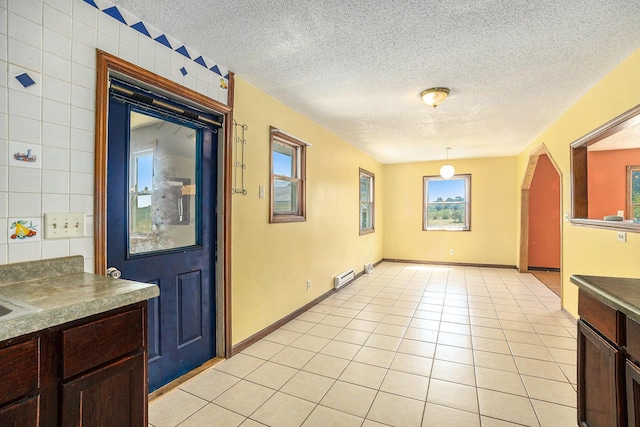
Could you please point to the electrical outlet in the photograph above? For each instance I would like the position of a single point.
(622, 236)
(64, 225)
(566, 217)
(451, 251)
(308, 284)
(621, 213)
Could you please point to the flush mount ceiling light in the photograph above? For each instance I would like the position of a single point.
(434, 96)
(447, 171)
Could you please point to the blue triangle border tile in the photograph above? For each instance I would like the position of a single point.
(200, 60)
(115, 13)
(155, 34)
(92, 3)
(183, 51)
(162, 39)
(141, 28)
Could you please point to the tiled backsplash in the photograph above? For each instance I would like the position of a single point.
(47, 128)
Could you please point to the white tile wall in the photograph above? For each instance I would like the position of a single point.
(23, 129)
(25, 180)
(55, 182)
(54, 42)
(27, 251)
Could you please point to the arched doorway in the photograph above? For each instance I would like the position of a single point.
(540, 241)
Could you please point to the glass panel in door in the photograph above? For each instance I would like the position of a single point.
(162, 185)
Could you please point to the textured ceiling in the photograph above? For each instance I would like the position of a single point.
(357, 67)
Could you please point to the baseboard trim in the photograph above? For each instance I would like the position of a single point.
(564, 310)
(547, 269)
(457, 264)
(276, 325)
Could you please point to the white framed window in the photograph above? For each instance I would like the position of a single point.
(367, 202)
(447, 203)
(288, 182)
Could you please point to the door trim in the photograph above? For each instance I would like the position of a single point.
(107, 65)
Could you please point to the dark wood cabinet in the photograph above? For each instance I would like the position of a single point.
(600, 380)
(633, 394)
(20, 381)
(119, 383)
(90, 372)
(24, 413)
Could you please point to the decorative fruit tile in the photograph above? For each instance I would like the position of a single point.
(24, 230)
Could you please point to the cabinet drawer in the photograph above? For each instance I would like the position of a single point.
(102, 340)
(19, 370)
(607, 320)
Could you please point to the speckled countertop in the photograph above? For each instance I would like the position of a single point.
(621, 293)
(64, 293)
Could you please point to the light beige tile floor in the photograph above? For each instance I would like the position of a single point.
(408, 345)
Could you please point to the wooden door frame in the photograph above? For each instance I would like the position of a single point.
(523, 264)
(108, 65)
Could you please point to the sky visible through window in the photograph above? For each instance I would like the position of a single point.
(281, 164)
(144, 178)
(446, 188)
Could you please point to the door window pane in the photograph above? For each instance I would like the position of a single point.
(141, 206)
(163, 185)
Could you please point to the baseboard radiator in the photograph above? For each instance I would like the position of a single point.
(344, 278)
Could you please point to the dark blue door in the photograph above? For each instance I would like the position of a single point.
(161, 228)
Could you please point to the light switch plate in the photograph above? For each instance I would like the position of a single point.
(64, 225)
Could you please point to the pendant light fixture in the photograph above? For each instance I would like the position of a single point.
(447, 171)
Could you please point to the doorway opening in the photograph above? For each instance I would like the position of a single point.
(540, 237)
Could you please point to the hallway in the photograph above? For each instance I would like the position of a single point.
(551, 279)
(408, 345)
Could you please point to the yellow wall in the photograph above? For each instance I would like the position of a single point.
(492, 238)
(271, 263)
(588, 250)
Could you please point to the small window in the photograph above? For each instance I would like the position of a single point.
(447, 203)
(633, 193)
(367, 217)
(287, 178)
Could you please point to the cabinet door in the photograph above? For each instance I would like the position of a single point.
(600, 381)
(21, 414)
(633, 394)
(114, 395)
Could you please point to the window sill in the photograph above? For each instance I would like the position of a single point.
(446, 229)
(276, 219)
(626, 225)
(367, 231)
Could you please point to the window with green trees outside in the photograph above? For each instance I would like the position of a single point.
(447, 203)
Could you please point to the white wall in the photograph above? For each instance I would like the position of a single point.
(54, 42)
